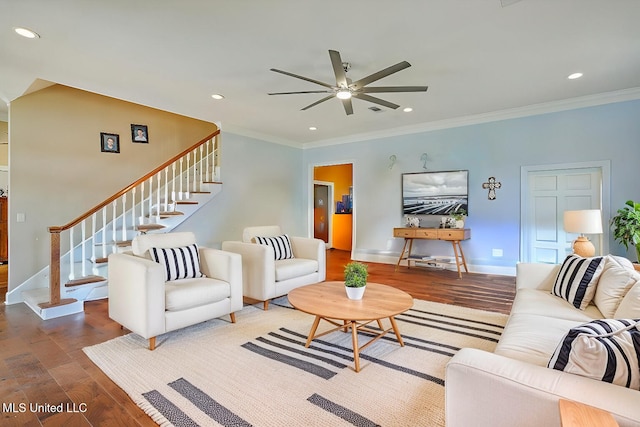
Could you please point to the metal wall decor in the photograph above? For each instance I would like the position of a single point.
(492, 185)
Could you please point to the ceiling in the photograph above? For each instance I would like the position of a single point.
(480, 58)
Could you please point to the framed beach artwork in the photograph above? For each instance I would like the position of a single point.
(435, 193)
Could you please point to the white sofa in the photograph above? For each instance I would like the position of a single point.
(141, 300)
(513, 386)
(264, 278)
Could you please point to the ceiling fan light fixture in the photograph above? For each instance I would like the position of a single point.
(574, 76)
(344, 94)
(217, 96)
(407, 109)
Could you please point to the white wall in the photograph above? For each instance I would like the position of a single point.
(262, 185)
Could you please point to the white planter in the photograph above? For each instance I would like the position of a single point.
(355, 293)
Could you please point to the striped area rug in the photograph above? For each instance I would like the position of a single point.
(257, 372)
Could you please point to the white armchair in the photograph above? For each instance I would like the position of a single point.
(264, 276)
(143, 299)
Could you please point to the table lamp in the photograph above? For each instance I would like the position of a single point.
(587, 221)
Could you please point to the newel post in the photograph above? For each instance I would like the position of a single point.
(54, 272)
(54, 267)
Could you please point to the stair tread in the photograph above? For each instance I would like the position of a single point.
(186, 202)
(150, 227)
(171, 213)
(85, 281)
(101, 260)
(212, 182)
(63, 301)
(201, 192)
(123, 244)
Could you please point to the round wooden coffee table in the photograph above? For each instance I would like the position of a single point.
(328, 301)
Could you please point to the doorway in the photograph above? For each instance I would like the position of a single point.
(322, 201)
(549, 190)
(335, 215)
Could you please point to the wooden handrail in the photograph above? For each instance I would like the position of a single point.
(58, 229)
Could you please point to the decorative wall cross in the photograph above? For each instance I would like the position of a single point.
(492, 185)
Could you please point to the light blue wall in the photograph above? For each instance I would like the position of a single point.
(262, 185)
(608, 132)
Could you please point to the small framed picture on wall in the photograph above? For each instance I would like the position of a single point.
(139, 133)
(109, 142)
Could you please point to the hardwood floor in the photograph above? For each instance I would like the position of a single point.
(42, 362)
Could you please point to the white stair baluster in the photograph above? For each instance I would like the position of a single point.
(104, 232)
(83, 245)
(207, 176)
(93, 238)
(201, 166)
(151, 199)
(173, 183)
(124, 217)
(133, 207)
(72, 259)
(114, 218)
(195, 171)
(158, 201)
(141, 220)
(186, 195)
(180, 189)
(166, 189)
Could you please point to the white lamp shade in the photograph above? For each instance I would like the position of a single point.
(587, 221)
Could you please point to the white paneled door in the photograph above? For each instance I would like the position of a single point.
(547, 193)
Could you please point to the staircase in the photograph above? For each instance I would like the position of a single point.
(155, 203)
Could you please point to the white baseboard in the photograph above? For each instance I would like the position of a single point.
(392, 258)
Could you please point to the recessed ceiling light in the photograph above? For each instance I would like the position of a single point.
(574, 76)
(217, 96)
(313, 128)
(25, 32)
(408, 110)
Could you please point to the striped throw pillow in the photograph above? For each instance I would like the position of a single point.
(606, 350)
(178, 263)
(281, 245)
(577, 279)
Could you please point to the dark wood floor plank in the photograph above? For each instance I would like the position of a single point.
(43, 362)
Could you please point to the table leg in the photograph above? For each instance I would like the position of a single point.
(312, 333)
(464, 261)
(396, 330)
(457, 257)
(404, 247)
(356, 349)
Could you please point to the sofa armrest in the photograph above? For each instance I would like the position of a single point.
(315, 249)
(225, 266)
(258, 269)
(486, 389)
(536, 275)
(137, 294)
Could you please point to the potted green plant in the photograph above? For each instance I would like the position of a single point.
(355, 279)
(459, 217)
(626, 226)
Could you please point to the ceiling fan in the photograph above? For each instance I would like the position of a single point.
(345, 89)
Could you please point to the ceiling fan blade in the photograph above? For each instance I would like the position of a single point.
(380, 74)
(348, 106)
(338, 70)
(326, 98)
(393, 89)
(376, 100)
(306, 91)
(286, 73)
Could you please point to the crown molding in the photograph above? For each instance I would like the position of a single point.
(512, 113)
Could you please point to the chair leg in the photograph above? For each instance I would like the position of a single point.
(152, 343)
(233, 317)
(266, 305)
